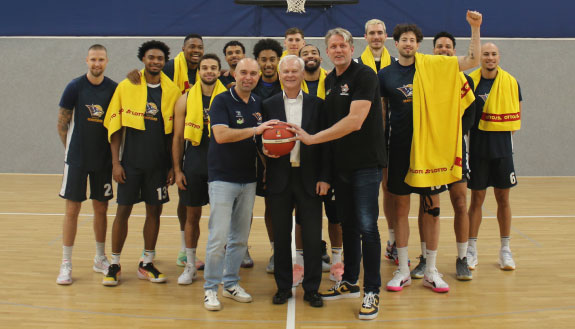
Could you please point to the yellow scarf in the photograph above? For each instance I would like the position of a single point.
(440, 96)
(128, 105)
(368, 59)
(320, 85)
(194, 125)
(501, 111)
(181, 73)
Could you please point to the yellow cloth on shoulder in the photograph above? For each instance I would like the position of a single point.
(440, 96)
(320, 85)
(194, 123)
(501, 111)
(128, 105)
(368, 59)
(181, 73)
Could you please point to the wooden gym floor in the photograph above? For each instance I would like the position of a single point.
(540, 293)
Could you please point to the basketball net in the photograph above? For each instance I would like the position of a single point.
(295, 6)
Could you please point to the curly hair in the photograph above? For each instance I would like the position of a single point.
(153, 44)
(267, 44)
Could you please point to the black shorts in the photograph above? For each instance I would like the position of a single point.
(329, 206)
(499, 173)
(196, 193)
(74, 184)
(398, 165)
(148, 185)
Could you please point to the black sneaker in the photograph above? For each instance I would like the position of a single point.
(282, 296)
(113, 276)
(369, 306)
(150, 272)
(341, 289)
(314, 298)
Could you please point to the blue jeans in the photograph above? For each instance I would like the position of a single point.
(231, 206)
(357, 199)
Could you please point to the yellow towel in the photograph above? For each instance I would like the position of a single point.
(194, 125)
(501, 111)
(128, 105)
(320, 85)
(368, 59)
(181, 73)
(440, 96)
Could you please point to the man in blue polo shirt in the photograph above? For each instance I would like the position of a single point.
(236, 120)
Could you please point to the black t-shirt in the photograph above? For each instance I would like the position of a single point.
(147, 149)
(312, 87)
(196, 157)
(488, 144)
(377, 63)
(266, 90)
(87, 143)
(228, 81)
(169, 71)
(234, 162)
(364, 148)
(396, 83)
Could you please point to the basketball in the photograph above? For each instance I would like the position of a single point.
(277, 140)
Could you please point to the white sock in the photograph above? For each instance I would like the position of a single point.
(336, 255)
(191, 256)
(100, 249)
(423, 249)
(505, 242)
(116, 259)
(67, 254)
(149, 256)
(183, 240)
(430, 264)
(472, 243)
(391, 236)
(462, 249)
(403, 256)
(299, 257)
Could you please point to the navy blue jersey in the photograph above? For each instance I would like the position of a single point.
(312, 87)
(364, 148)
(488, 144)
(266, 90)
(228, 81)
(87, 142)
(169, 71)
(233, 162)
(147, 149)
(196, 157)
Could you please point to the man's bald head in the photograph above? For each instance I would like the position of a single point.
(247, 74)
(489, 57)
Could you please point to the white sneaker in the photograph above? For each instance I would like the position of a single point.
(325, 267)
(471, 258)
(101, 264)
(399, 281)
(190, 274)
(506, 262)
(270, 268)
(433, 279)
(65, 276)
(336, 272)
(211, 302)
(238, 294)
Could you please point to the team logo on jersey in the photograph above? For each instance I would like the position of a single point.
(344, 90)
(95, 110)
(258, 117)
(239, 118)
(151, 109)
(406, 90)
(484, 97)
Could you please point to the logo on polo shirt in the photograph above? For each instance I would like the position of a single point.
(258, 117)
(239, 118)
(344, 90)
(406, 90)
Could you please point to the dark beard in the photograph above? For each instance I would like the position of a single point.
(311, 69)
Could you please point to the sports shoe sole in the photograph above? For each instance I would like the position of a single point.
(399, 288)
(226, 294)
(213, 307)
(507, 268)
(110, 283)
(439, 290)
(416, 276)
(367, 316)
(464, 277)
(143, 276)
(64, 283)
(100, 270)
(341, 296)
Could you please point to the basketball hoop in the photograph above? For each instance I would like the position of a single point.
(296, 6)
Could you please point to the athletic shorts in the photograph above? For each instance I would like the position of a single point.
(196, 193)
(499, 173)
(74, 184)
(148, 185)
(398, 165)
(329, 206)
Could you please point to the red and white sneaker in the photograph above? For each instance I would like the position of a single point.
(433, 279)
(399, 281)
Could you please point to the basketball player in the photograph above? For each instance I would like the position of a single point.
(444, 44)
(491, 149)
(144, 169)
(80, 125)
(234, 51)
(192, 124)
(293, 41)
